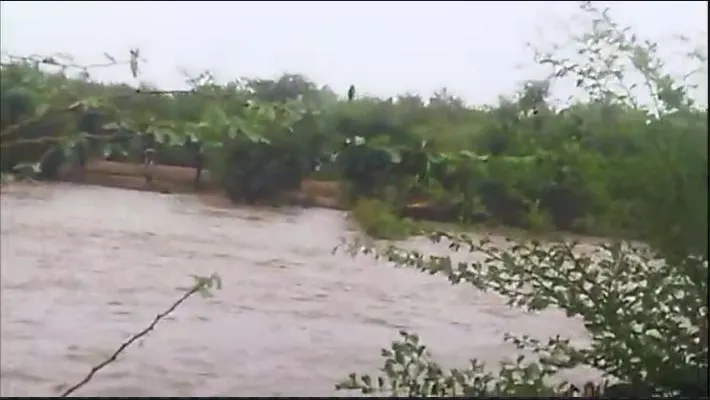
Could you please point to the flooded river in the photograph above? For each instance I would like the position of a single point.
(84, 267)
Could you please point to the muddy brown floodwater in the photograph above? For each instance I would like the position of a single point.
(84, 267)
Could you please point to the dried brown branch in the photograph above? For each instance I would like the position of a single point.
(195, 289)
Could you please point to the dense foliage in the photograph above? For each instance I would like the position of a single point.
(645, 307)
(521, 163)
(606, 164)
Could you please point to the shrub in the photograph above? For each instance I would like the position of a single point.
(645, 306)
(377, 219)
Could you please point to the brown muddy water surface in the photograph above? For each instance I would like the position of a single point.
(85, 267)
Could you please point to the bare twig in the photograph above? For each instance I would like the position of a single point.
(161, 92)
(198, 287)
(58, 62)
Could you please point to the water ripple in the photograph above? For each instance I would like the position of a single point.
(84, 267)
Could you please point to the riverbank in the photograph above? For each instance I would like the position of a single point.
(180, 180)
(376, 220)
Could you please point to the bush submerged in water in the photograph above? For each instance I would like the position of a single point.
(378, 219)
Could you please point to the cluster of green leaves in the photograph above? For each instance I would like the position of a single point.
(645, 306)
(60, 115)
(647, 319)
(377, 219)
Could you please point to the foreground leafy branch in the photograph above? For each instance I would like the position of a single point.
(410, 370)
(647, 319)
(202, 285)
(645, 306)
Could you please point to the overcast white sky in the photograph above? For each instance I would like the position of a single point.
(384, 48)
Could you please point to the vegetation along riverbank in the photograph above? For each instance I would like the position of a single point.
(611, 164)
